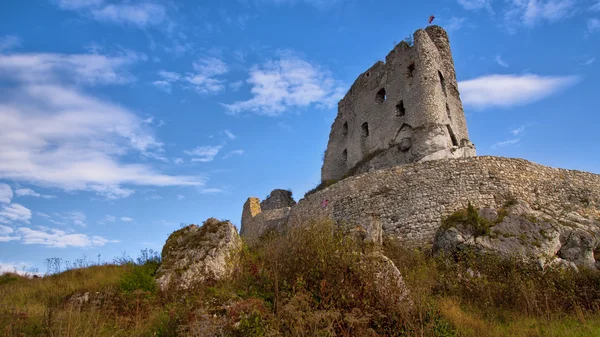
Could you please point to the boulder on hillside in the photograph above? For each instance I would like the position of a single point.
(193, 254)
(559, 239)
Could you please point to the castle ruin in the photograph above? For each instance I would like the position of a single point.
(405, 110)
(399, 159)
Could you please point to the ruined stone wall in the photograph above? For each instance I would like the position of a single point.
(270, 214)
(402, 111)
(277, 199)
(409, 201)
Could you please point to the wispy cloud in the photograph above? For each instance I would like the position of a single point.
(57, 238)
(319, 4)
(154, 197)
(211, 190)
(55, 135)
(589, 61)
(595, 7)
(90, 69)
(204, 79)
(288, 82)
(511, 90)
(501, 62)
(229, 135)
(180, 197)
(14, 213)
(9, 42)
(6, 234)
(126, 219)
(22, 192)
(506, 143)
(141, 14)
(75, 218)
(109, 218)
(529, 13)
(518, 130)
(204, 153)
(454, 23)
(6, 194)
(593, 25)
(233, 153)
(476, 4)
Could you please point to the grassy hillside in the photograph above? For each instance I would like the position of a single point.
(309, 282)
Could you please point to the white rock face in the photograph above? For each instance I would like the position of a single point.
(193, 255)
(565, 242)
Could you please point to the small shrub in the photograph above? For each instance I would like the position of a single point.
(470, 218)
(140, 277)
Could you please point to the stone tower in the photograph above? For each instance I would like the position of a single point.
(405, 110)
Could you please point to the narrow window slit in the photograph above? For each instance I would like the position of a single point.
(345, 130)
(411, 69)
(452, 136)
(365, 130)
(381, 97)
(400, 110)
(443, 83)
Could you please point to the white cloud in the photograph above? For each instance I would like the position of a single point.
(203, 79)
(59, 239)
(57, 136)
(180, 197)
(43, 215)
(235, 86)
(110, 218)
(229, 135)
(593, 25)
(6, 234)
(153, 197)
(21, 192)
(511, 90)
(76, 218)
(530, 12)
(454, 24)
(204, 153)
(211, 190)
(78, 4)
(169, 76)
(501, 62)
(126, 219)
(285, 83)
(20, 268)
(589, 61)
(233, 153)
(14, 213)
(518, 130)
(140, 14)
(178, 161)
(163, 86)
(476, 4)
(319, 4)
(6, 194)
(79, 68)
(9, 42)
(506, 143)
(595, 7)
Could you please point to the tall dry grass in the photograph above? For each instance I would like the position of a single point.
(311, 281)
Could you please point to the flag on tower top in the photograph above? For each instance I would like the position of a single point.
(431, 19)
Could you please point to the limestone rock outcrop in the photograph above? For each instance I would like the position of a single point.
(195, 254)
(566, 239)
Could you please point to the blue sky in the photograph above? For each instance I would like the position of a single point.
(121, 119)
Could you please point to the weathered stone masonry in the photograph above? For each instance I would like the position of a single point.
(410, 200)
(405, 110)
